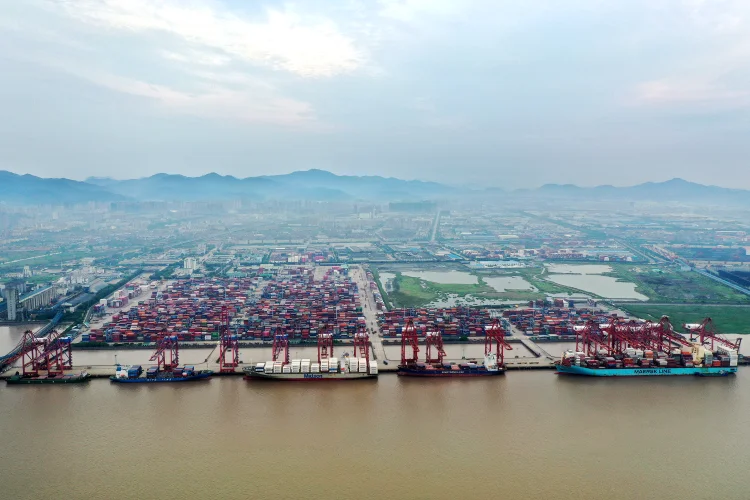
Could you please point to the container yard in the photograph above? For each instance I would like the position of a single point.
(552, 323)
(287, 298)
(453, 323)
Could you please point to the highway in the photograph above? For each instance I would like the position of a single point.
(369, 311)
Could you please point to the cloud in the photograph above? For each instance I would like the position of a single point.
(282, 39)
(409, 10)
(669, 92)
(215, 101)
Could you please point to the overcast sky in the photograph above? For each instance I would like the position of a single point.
(482, 92)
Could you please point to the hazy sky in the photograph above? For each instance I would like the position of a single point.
(497, 92)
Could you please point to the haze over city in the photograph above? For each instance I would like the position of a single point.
(462, 92)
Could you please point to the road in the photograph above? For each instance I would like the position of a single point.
(723, 281)
(369, 311)
(435, 226)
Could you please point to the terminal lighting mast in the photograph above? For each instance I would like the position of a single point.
(229, 345)
(409, 341)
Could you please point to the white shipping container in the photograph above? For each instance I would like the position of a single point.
(362, 368)
(315, 368)
(286, 369)
(353, 364)
(373, 367)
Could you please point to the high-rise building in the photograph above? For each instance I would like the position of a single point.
(11, 296)
(189, 263)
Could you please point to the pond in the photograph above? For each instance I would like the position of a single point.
(506, 283)
(604, 286)
(578, 268)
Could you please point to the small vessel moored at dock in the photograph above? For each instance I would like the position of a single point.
(167, 369)
(19, 379)
(134, 375)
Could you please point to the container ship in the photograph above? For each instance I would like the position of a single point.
(167, 369)
(134, 375)
(600, 352)
(357, 367)
(435, 367)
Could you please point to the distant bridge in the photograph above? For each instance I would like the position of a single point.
(21, 348)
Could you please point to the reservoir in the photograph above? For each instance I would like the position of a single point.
(589, 278)
(524, 435)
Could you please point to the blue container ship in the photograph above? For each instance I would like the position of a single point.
(135, 375)
(645, 372)
(697, 361)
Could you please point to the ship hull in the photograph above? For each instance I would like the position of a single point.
(646, 372)
(404, 371)
(308, 377)
(68, 379)
(203, 375)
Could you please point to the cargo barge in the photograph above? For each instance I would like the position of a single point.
(18, 379)
(134, 375)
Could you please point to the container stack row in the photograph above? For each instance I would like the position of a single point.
(304, 306)
(189, 308)
(552, 322)
(453, 322)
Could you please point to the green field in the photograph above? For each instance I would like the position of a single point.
(727, 319)
(414, 292)
(669, 285)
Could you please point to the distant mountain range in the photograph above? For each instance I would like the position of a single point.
(308, 185)
(321, 185)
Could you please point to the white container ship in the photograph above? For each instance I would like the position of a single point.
(327, 367)
(347, 368)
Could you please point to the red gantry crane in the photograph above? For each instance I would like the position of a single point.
(167, 354)
(434, 340)
(362, 346)
(409, 340)
(229, 345)
(495, 335)
(707, 335)
(281, 346)
(325, 346)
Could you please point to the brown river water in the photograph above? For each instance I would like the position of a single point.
(525, 435)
